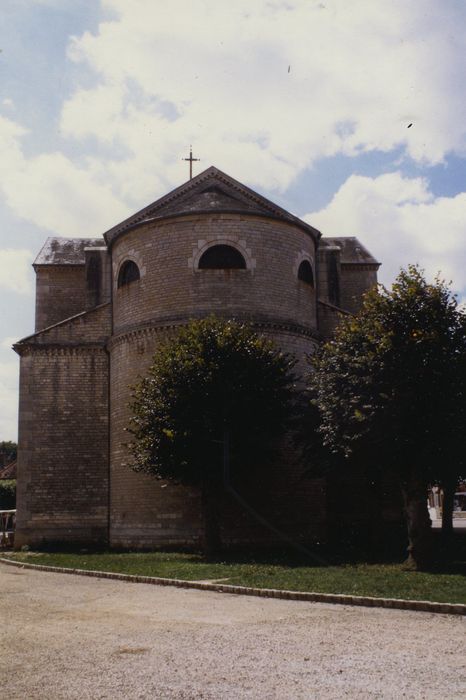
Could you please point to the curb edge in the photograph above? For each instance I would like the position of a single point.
(332, 598)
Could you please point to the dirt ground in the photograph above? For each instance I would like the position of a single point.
(65, 636)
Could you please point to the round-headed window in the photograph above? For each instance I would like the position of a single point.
(222, 257)
(129, 272)
(305, 273)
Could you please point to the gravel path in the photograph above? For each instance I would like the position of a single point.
(65, 636)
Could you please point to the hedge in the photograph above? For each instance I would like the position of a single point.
(7, 494)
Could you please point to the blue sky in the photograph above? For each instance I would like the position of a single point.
(309, 102)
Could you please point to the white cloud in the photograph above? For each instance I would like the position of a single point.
(264, 89)
(8, 102)
(401, 222)
(54, 192)
(261, 89)
(15, 268)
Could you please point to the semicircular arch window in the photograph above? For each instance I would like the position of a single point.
(305, 273)
(129, 272)
(222, 257)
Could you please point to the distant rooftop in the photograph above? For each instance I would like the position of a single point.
(352, 250)
(70, 251)
(66, 251)
(8, 471)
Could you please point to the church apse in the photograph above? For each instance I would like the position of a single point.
(212, 246)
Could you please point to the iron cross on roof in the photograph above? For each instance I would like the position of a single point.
(191, 161)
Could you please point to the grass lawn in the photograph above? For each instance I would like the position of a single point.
(379, 580)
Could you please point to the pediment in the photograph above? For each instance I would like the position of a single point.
(210, 191)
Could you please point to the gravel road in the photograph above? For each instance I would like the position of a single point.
(65, 636)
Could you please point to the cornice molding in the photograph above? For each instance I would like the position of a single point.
(360, 266)
(24, 349)
(153, 328)
(201, 214)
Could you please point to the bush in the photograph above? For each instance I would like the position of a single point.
(7, 494)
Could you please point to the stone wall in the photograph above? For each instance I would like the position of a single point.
(172, 288)
(329, 318)
(145, 512)
(63, 446)
(355, 281)
(60, 293)
(98, 276)
(87, 328)
(329, 274)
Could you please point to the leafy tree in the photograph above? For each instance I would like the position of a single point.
(8, 450)
(7, 494)
(391, 391)
(217, 381)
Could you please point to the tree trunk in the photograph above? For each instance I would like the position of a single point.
(418, 523)
(375, 524)
(212, 542)
(449, 487)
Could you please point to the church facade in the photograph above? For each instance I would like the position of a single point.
(103, 306)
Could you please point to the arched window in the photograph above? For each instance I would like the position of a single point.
(129, 272)
(305, 273)
(222, 257)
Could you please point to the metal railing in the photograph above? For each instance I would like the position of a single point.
(7, 528)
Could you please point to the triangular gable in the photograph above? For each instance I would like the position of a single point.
(210, 191)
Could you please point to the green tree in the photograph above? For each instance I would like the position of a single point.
(391, 390)
(8, 451)
(217, 381)
(7, 494)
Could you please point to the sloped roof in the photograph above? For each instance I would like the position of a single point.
(66, 251)
(8, 471)
(89, 327)
(210, 191)
(352, 250)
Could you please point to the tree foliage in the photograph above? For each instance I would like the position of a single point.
(214, 375)
(9, 450)
(391, 387)
(7, 494)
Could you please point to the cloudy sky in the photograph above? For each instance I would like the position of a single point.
(351, 115)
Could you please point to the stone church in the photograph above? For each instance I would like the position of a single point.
(103, 305)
